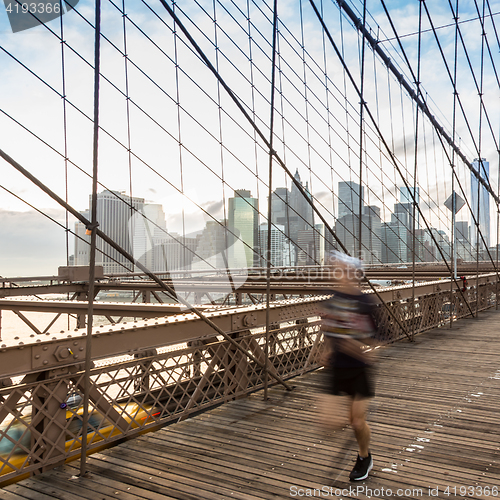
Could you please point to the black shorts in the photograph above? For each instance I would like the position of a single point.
(355, 382)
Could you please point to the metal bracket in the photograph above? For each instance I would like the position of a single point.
(67, 352)
(241, 321)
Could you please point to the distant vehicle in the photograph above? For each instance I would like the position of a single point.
(15, 436)
(381, 282)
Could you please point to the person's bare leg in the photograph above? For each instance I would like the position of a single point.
(361, 429)
(334, 411)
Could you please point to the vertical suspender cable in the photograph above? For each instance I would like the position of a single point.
(269, 204)
(414, 204)
(65, 132)
(315, 251)
(179, 136)
(93, 234)
(481, 165)
(227, 238)
(453, 173)
(361, 135)
(498, 228)
(129, 143)
(330, 147)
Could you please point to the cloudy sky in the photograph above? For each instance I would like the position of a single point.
(193, 181)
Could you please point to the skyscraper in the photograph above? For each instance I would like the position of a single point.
(114, 212)
(82, 242)
(462, 240)
(301, 213)
(405, 197)
(347, 230)
(477, 189)
(174, 252)
(402, 223)
(243, 221)
(280, 255)
(292, 210)
(348, 201)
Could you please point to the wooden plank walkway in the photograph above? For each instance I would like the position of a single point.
(434, 426)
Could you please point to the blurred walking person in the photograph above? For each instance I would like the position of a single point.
(350, 338)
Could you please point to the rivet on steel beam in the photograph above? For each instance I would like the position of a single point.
(45, 362)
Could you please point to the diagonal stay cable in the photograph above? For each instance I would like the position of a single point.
(93, 241)
(268, 145)
(401, 79)
(450, 160)
(143, 268)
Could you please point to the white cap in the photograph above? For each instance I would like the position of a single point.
(346, 259)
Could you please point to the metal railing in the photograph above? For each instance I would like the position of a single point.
(172, 376)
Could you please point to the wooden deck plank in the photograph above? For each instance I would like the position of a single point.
(434, 423)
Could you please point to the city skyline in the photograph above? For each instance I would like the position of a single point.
(175, 136)
(240, 240)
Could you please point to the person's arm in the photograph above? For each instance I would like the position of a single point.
(362, 349)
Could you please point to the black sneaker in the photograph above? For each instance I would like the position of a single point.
(362, 468)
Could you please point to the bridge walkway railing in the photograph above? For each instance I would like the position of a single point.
(154, 372)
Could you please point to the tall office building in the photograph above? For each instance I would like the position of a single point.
(347, 230)
(405, 197)
(291, 209)
(114, 214)
(243, 221)
(301, 213)
(311, 246)
(82, 243)
(279, 208)
(348, 200)
(462, 241)
(477, 189)
(174, 252)
(394, 236)
(280, 251)
(347, 224)
(402, 219)
(372, 242)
